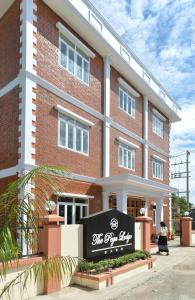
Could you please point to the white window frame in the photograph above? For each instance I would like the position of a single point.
(77, 52)
(154, 216)
(130, 99)
(157, 169)
(73, 204)
(75, 124)
(157, 126)
(121, 162)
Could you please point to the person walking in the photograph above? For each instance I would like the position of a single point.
(162, 240)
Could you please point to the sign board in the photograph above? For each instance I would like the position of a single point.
(108, 233)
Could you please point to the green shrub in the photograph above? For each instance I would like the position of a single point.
(104, 265)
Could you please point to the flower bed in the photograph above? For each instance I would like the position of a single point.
(98, 275)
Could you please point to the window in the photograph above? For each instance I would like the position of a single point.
(72, 209)
(74, 60)
(73, 135)
(127, 102)
(157, 126)
(126, 157)
(157, 169)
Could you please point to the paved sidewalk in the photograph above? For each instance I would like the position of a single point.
(171, 279)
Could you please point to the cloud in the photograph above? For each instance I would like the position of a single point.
(162, 34)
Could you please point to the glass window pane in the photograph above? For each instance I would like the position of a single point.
(78, 208)
(133, 160)
(129, 106)
(86, 71)
(71, 60)
(62, 133)
(69, 214)
(78, 139)
(85, 142)
(79, 67)
(129, 160)
(125, 101)
(64, 55)
(120, 156)
(70, 136)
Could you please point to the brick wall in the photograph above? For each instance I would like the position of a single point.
(47, 150)
(9, 122)
(10, 44)
(135, 125)
(48, 61)
(66, 185)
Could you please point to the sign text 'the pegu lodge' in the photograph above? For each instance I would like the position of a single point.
(108, 233)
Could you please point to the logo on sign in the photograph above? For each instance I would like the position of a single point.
(114, 224)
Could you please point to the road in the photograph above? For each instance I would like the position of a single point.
(173, 278)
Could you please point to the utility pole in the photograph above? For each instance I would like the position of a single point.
(187, 177)
(183, 175)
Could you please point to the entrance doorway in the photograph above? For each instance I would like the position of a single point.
(72, 209)
(133, 205)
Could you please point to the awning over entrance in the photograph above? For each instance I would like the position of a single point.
(128, 184)
(135, 185)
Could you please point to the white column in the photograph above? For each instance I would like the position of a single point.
(146, 137)
(106, 139)
(105, 200)
(170, 212)
(146, 206)
(122, 201)
(159, 213)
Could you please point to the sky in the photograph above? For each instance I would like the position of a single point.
(162, 34)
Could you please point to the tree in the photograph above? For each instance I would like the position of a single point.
(180, 203)
(19, 208)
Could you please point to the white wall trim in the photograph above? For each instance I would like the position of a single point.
(158, 114)
(128, 143)
(67, 97)
(10, 86)
(106, 127)
(67, 112)
(145, 148)
(61, 194)
(74, 40)
(27, 94)
(159, 158)
(124, 84)
(64, 95)
(9, 172)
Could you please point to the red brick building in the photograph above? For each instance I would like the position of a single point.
(73, 94)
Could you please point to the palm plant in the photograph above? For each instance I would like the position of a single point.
(21, 206)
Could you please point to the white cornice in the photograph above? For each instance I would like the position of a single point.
(107, 43)
(128, 143)
(74, 40)
(124, 84)
(71, 114)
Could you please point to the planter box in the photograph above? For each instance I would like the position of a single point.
(106, 279)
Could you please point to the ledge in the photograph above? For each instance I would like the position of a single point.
(23, 262)
(105, 279)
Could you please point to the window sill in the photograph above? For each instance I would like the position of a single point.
(74, 151)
